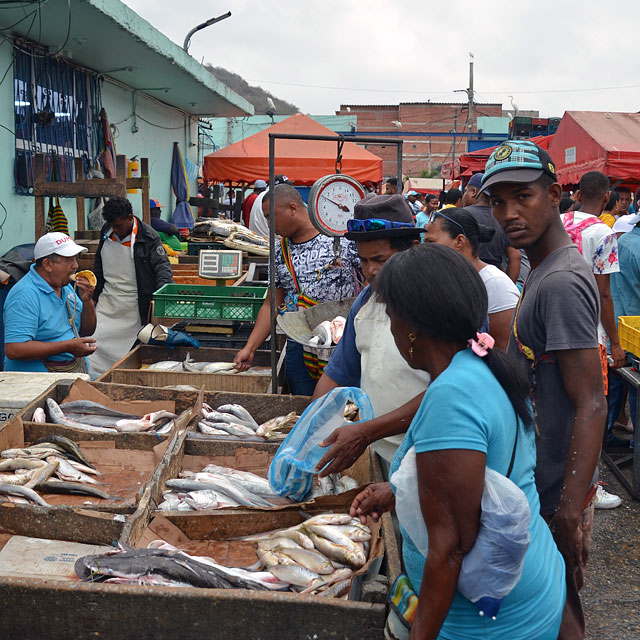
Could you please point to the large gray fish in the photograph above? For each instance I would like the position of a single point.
(12, 464)
(73, 488)
(66, 471)
(250, 481)
(240, 412)
(235, 430)
(240, 495)
(94, 408)
(57, 417)
(219, 416)
(24, 492)
(71, 449)
(165, 365)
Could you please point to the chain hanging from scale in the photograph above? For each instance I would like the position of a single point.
(338, 168)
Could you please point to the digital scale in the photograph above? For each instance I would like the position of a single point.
(217, 264)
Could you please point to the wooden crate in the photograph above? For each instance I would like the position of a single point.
(129, 473)
(128, 371)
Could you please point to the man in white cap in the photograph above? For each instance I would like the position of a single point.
(44, 317)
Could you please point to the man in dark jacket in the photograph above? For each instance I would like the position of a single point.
(131, 264)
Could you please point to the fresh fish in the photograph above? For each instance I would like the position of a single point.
(346, 483)
(330, 519)
(192, 365)
(42, 474)
(327, 486)
(250, 481)
(240, 412)
(165, 365)
(329, 533)
(231, 487)
(182, 387)
(57, 417)
(337, 576)
(164, 429)
(238, 430)
(238, 495)
(201, 500)
(11, 464)
(66, 471)
(321, 336)
(84, 469)
(73, 488)
(337, 590)
(93, 408)
(29, 452)
(281, 543)
(350, 555)
(133, 426)
(293, 533)
(282, 424)
(219, 367)
(15, 478)
(355, 533)
(308, 558)
(69, 447)
(24, 492)
(295, 574)
(351, 412)
(212, 431)
(39, 415)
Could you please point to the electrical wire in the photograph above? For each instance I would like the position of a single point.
(4, 219)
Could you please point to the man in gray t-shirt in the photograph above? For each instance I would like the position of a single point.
(554, 334)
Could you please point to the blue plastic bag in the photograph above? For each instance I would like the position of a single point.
(294, 465)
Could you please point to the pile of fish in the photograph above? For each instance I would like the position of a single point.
(217, 487)
(316, 557)
(162, 564)
(91, 416)
(233, 234)
(52, 464)
(191, 366)
(328, 333)
(233, 421)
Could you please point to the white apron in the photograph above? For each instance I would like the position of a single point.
(117, 310)
(385, 376)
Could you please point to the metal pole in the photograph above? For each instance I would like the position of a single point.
(399, 165)
(272, 263)
(470, 94)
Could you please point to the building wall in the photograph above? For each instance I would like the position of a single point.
(154, 142)
(419, 152)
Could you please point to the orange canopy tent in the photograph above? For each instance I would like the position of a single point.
(302, 161)
(597, 141)
(474, 162)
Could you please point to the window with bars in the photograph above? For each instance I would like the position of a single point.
(57, 108)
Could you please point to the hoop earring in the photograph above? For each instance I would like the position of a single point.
(412, 339)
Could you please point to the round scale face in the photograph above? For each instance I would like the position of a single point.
(331, 203)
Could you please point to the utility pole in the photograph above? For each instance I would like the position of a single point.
(454, 131)
(470, 95)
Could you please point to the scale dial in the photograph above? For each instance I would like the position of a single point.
(331, 203)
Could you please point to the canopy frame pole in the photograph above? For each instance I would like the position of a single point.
(339, 139)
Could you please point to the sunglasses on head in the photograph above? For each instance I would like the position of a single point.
(375, 224)
(434, 214)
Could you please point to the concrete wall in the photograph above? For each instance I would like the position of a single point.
(150, 141)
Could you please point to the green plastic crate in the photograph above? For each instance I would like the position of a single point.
(195, 247)
(208, 302)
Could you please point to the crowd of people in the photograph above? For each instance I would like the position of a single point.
(484, 331)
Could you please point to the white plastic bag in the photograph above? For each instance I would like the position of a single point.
(293, 467)
(494, 565)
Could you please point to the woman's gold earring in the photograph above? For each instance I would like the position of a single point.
(412, 339)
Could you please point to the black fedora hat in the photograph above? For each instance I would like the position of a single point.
(391, 208)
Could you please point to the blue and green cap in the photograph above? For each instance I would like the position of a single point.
(517, 161)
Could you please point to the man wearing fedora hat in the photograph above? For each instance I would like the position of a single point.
(367, 355)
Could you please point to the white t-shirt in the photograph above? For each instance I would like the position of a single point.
(501, 291)
(257, 219)
(599, 249)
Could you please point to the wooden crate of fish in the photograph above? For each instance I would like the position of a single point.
(213, 369)
(74, 489)
(81, 411)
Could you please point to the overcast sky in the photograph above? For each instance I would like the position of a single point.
(551, 56)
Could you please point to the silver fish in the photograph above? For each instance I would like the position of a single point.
(165, 365)
(220, 367)
(250, 481)
(295, 574)
(201, 500)
(24, 492)
(219, 416)
(350, 555)
(238, 430)
(57, 417)
(165, 429)
(330, 518)
(42, 474)
(133, 426)
(93, 408)
(66, 471)
(11, 464)
(281, 424)
(73, 488)
(212, 431)
(39, 415)
(308, 558)
(231, 486)
(240, 412)
(239, 495)
(66, 446)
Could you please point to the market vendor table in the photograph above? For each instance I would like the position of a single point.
(619, 459)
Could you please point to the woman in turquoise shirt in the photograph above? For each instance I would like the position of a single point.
(476, 404)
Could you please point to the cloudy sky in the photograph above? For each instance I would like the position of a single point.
(551, 56)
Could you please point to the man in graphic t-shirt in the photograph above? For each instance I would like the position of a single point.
(555, 335)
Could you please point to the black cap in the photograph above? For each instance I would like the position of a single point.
(384, 207)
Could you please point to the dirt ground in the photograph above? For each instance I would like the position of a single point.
(611, 595)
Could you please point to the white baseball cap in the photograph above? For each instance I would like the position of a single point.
(259, 184)
(626, 223)
(56, 242)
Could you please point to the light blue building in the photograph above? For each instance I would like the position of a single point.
(60, 63)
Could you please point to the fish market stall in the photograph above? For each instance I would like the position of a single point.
(213, 369)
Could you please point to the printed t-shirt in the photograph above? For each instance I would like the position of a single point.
(494, 251)
(600, 251)
(309, 259)
(33, 311)
(501, 291)
(560, 309)
(625, 285)
(465, 407)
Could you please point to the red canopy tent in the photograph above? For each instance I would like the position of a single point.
(302, 161)
(597, 141)
(474, 162)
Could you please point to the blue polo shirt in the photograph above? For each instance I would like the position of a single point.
(33, 311)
